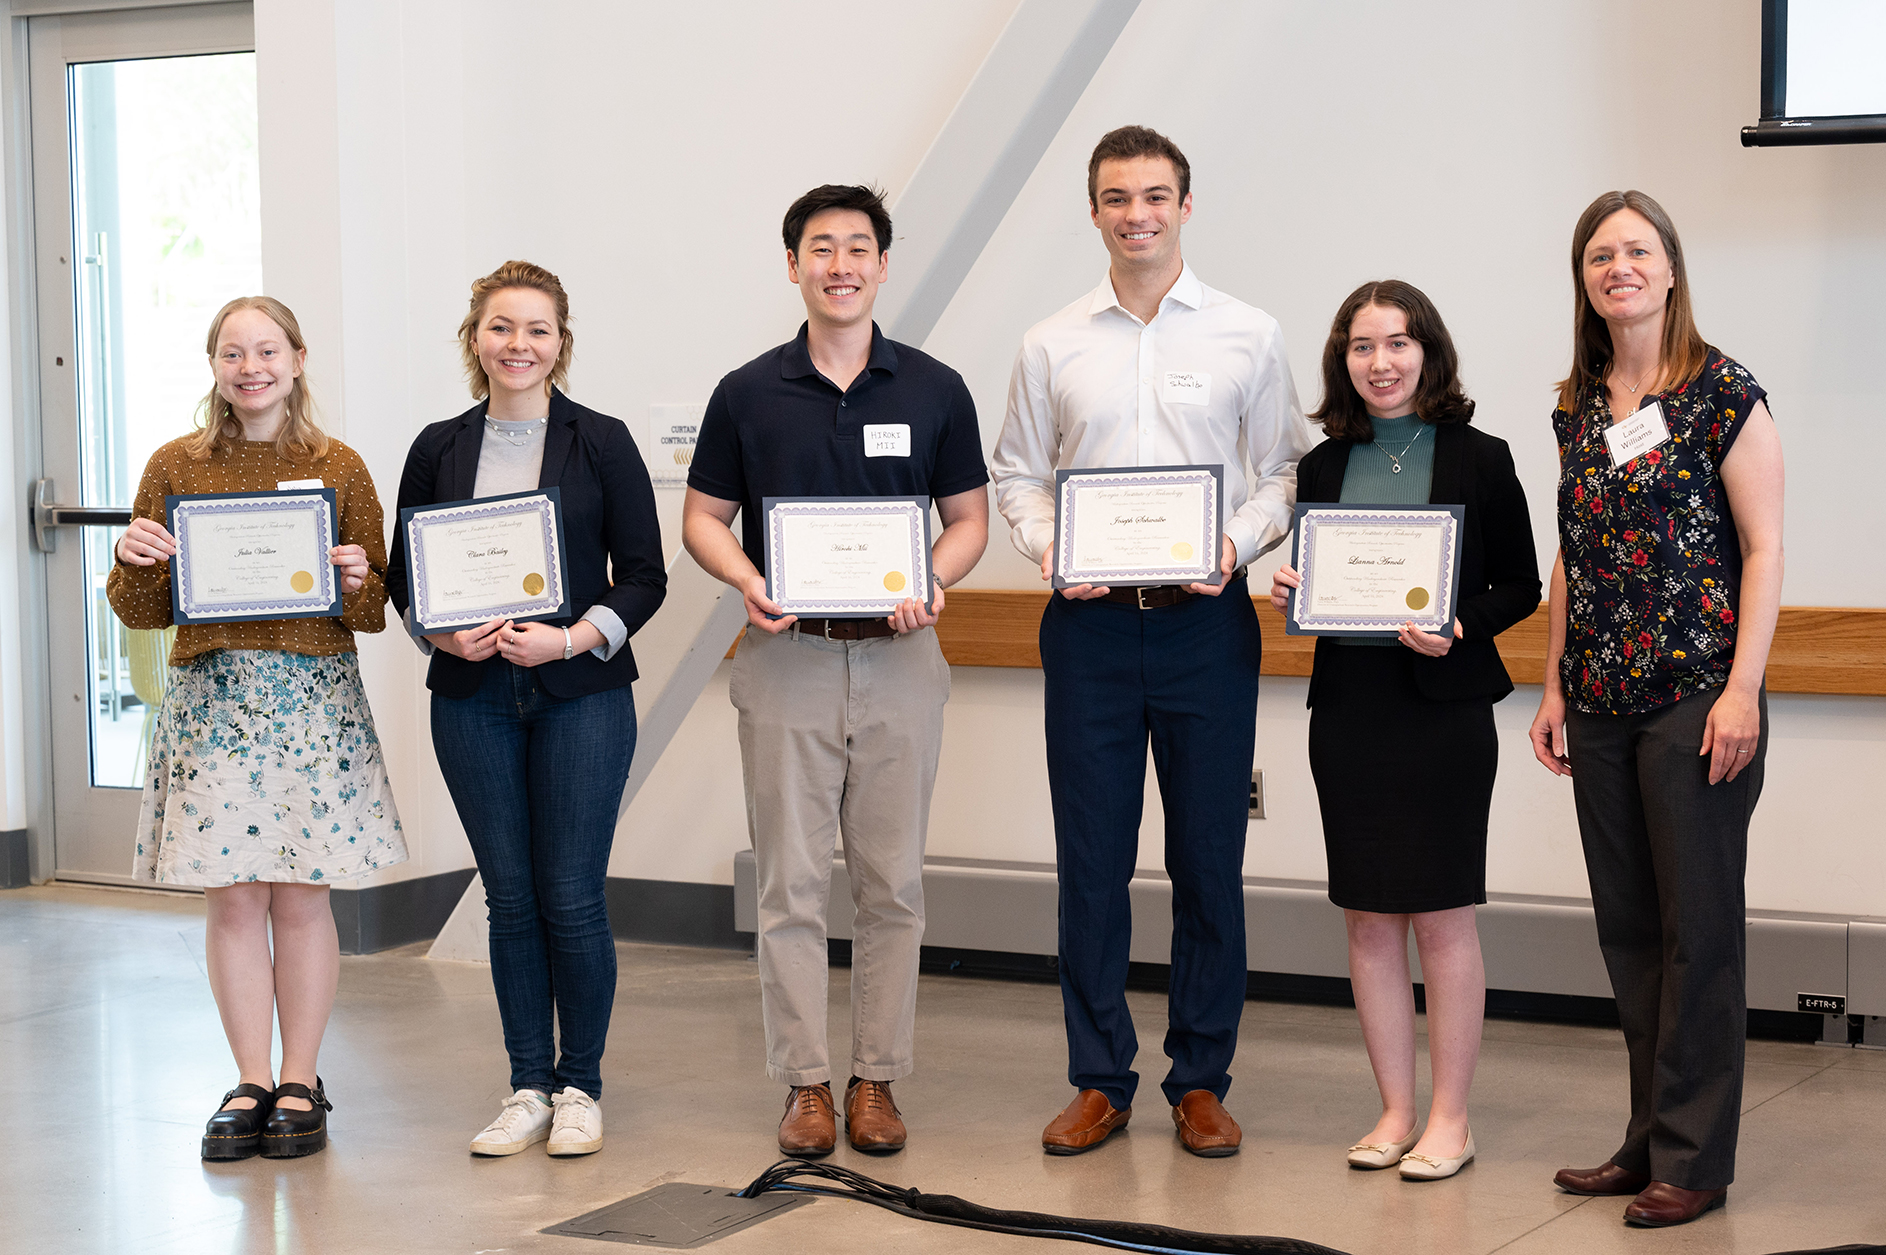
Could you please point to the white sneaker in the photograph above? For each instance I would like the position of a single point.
(576, 1129)
(524, 1122)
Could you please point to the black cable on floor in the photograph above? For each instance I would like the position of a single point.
(1123, 1235)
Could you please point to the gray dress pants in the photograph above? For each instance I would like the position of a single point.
(839, 736)
(1667, 852)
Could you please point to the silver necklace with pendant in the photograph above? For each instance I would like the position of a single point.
(517, 434)
(1396, 458)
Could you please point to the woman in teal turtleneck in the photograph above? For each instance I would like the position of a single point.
(1402, 743)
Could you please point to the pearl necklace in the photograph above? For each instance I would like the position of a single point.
(517, 434)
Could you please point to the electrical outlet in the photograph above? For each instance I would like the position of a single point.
(1257, 793)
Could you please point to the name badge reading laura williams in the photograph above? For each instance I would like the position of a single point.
(1638, 434)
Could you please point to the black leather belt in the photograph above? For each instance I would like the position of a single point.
(845, 629)
(1158, 596)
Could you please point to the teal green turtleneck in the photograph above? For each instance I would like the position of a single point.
(1370, 476)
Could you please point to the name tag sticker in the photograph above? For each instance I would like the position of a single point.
(1187, 387)
(1638, 434)
(288, 485)
(887, 440)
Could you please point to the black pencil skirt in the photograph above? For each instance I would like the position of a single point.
(1404, 782)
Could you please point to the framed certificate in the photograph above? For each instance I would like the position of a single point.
(847, 557)
(253, 555)
(1368, 569)
(1138, 525)
(469, 562)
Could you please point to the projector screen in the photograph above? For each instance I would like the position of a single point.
(1823, 73)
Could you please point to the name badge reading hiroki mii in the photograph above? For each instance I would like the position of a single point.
(1638, 434)
(887, 440)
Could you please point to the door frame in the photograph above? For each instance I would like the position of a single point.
(44, 395)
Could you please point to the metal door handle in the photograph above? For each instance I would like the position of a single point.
(47, 515)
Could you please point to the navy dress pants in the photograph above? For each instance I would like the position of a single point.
(1184, 679)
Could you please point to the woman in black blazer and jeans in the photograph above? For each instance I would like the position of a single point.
(534, 723)
(1402, 742)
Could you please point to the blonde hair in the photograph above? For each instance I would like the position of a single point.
(301, 438)
(1681, 354)
(514, 274)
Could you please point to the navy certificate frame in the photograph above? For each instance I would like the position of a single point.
(863, 583)
(1412, 558)
(1190, 554)
(220, 574)
(440, 603)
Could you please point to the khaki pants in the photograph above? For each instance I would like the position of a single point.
(839, 735)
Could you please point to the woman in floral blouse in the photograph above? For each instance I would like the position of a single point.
(1663, 605)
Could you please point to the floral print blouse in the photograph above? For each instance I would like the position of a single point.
(1652, 562)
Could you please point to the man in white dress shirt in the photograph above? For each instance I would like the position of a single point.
(1152, 368)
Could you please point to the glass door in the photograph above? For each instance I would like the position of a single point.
(147, 219)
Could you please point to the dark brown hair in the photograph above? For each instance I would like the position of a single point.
(868, 201)
(1439, 397)
(514, 274)
(1128, 142)
(1681, 355)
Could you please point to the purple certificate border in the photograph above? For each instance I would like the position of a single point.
(1193, 572)
(320, 598)
(547, 603)
(1443, 614)
(916, 511)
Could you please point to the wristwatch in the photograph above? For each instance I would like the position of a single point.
(567, 649)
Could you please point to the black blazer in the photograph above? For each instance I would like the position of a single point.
(1499, 571)
(609, 526)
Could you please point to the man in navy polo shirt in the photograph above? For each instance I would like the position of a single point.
(841, 720)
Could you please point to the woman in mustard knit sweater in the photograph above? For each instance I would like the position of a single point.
(265, 782)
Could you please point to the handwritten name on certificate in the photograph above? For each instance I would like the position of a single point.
(493, 558)
(1139, 525)
(257, 555)
(1366, 570)
(843, 557)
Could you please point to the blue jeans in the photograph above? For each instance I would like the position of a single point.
(537, 780)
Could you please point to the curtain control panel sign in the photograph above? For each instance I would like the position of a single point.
(672, 432)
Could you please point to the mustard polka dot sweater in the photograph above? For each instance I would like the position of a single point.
(140, 595)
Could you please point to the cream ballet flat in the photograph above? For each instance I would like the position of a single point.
(1426, 1168)
(1383, 1154)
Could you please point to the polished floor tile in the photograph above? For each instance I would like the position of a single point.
(114, 1058)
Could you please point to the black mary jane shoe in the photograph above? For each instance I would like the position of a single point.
(290, 1134)
(238, 1134)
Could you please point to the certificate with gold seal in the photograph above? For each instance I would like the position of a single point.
(1126, 527)
(1368, 569)
(847, 557)
(253, 555)
(490, 558)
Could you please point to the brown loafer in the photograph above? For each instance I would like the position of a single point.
(1664, 1204)
(808, 1129)
(1606, 1178)
(1083, 1124)
(872, 1121)
(1205, 1127)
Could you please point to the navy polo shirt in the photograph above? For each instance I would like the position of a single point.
(776, 427)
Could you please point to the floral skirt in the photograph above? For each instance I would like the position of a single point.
(264, 766)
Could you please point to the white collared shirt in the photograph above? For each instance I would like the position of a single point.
(1205, 382)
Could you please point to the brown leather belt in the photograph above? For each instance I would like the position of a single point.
(845, 629)
(1158, 596)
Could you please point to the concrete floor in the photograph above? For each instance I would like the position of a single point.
(114, 1058)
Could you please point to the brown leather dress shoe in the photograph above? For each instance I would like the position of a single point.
(1205, 1127)
(1083, 1124)
(1664, 1204)
(1606, 1178)
(872, 1121)
(808, 1129)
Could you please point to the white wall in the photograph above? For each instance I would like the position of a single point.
(646, 153)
